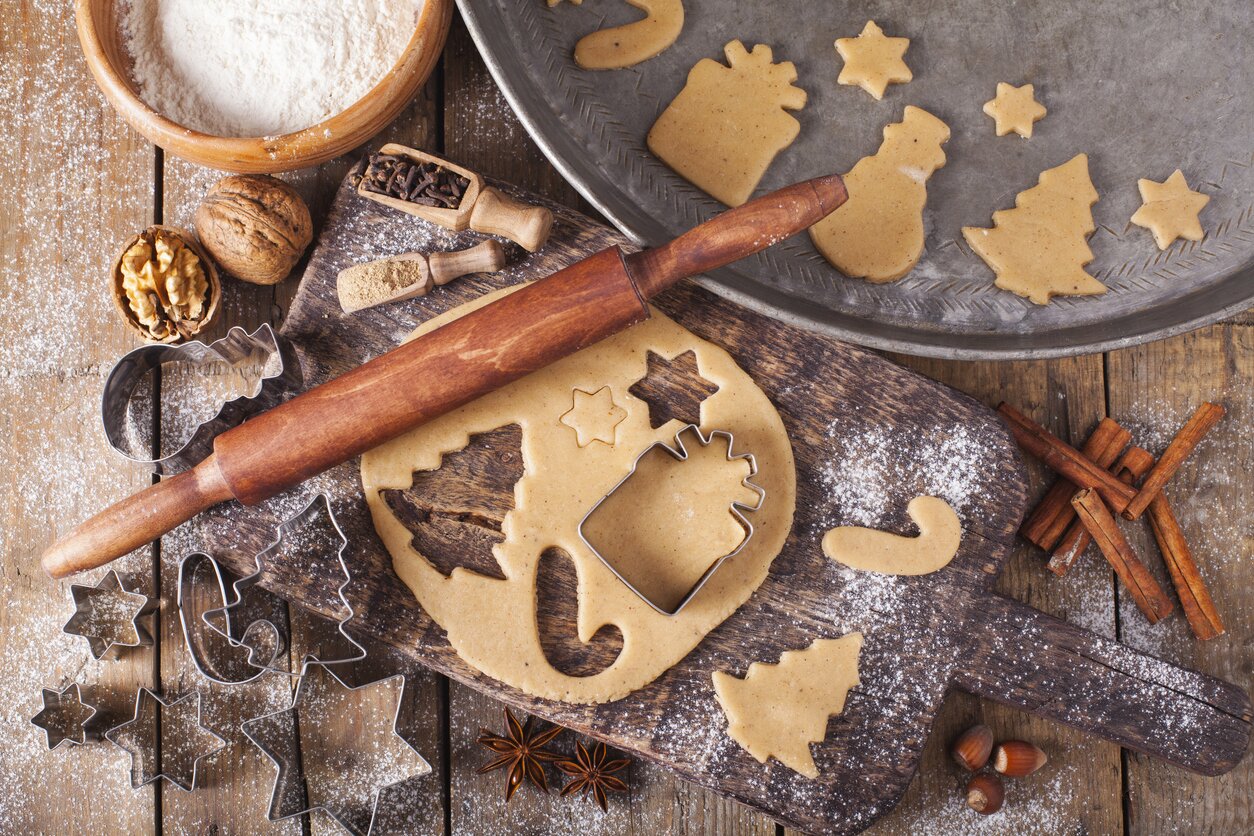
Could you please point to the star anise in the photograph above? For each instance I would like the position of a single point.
(522, 750)
(592, 772)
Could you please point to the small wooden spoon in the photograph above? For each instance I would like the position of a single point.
(412, 274)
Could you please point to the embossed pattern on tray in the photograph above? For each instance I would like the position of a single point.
(1143, 88)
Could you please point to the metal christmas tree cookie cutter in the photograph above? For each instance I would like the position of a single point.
(680, 452)
(262, 347)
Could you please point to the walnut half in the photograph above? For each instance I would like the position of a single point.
(165, 286)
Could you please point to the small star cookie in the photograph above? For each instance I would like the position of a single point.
(873, 61)
(594, 416)
(1014, 109)
(1169, 210)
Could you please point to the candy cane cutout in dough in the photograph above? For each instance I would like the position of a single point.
(880, 551)
(623, 46)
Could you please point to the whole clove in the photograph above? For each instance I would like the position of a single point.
(423, 183)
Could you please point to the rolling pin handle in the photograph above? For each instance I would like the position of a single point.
(496, 214)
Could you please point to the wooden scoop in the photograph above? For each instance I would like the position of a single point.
(482, 208)
(412, 274)
(438, 372)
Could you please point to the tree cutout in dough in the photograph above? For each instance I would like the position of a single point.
(674, 516)
(673, 389)
(1039, 248)
(877, 234)
(725, 127)
(873, 60)
(779, 710)
(459, 508)
(1169, 210)
(940, 533)
(631, 43)
(594, 416)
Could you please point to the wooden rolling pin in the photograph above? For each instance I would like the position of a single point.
(438, 372)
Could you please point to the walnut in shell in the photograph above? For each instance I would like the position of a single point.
(255, 226)
(164, 285)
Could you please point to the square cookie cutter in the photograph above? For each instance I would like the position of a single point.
(239, 347)
(680, 452)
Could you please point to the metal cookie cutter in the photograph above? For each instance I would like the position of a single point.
(65, 718)
(251, 606)
(680, 452)
(178, 721)
(219, 659)
(262, 347)
(306, 783)
(108, 614)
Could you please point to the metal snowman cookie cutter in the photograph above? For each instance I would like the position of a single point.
(680, 452)
(263, 347)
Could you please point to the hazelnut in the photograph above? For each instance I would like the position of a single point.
(164, 285)
(255, 226)
(972, 748)
(1018, 758)
(985, 794)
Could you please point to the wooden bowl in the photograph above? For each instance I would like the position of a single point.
(99, 34)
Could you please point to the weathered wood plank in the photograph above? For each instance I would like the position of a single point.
(1153, 390)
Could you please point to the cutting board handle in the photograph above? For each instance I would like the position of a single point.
(1044, 665)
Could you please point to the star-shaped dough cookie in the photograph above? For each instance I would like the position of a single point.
(1169, 210)
(1014, 109)
(594, 416)
(873, 61)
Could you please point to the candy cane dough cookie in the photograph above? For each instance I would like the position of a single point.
(631, 43)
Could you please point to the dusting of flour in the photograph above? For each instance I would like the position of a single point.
(262, 67)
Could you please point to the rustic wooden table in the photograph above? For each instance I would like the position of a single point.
(77, 182)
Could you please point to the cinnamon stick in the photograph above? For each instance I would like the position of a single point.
(1131, 466)
(1100, 522)
(1195, 600)
(1065, 459)
(1194, 430)
(1050, 520)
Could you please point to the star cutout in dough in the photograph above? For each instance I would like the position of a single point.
(873, 61)
(673, 388)
(108, 614)
(64, 716)
(177, 724)
(594, 417)
(1169, 210)
(1015, 109)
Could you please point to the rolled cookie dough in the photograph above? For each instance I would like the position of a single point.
(1170, 210)
(1014, 109)
(877, 234)
(940, 532)
(491, 622)
(631, 43)
(873, 60)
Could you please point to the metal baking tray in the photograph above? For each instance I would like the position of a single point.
(1144, 87)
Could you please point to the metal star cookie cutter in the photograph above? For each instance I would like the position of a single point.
(65, 718)
(680, 452)
(104, 622)
(244, 613)
(215, 656)
(284, 739)
(262, 347)
(142, 737)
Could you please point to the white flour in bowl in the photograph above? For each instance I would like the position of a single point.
(262, 67)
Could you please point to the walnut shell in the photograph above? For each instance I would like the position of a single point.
(255, 226)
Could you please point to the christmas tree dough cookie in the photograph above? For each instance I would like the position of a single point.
(1169, 210)
(779, 710)
(870, 550)
(1014, 109)
(877, 234)
(1039, 248)
(873, 61)
(631, 43)
(725, 127)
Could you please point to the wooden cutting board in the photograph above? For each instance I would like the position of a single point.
(867, 436)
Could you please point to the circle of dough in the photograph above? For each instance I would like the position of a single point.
(491, 622)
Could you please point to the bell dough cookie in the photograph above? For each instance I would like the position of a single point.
(873, 61)
(870, 550)
(1170, 210)
(1014, 109)
(491, 622)
(631, 43)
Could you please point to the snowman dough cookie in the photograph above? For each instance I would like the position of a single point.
(1014, 109)
(631, 43)
(725, 127)
(877, 234)
(873, 61)
(491, 621)
(1169, 210)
